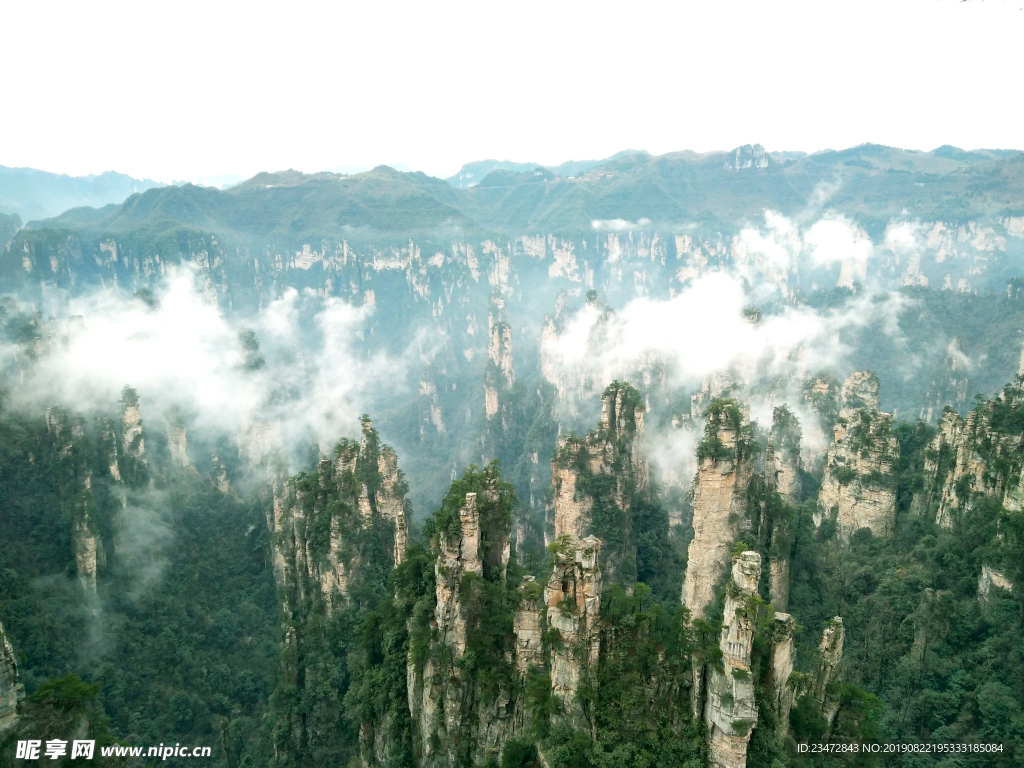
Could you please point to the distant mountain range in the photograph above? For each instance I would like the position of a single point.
(712, 192)
(473, 173)
(33, 194)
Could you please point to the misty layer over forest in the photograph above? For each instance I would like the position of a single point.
(675, 460)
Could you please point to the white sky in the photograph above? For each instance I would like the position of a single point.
(188, 90)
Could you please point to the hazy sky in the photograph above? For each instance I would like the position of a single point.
(186, 90)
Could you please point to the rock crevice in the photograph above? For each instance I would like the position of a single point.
(858, 486)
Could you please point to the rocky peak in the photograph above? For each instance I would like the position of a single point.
(621, 413)
(972, 457)
(719, 501)
(573, 598)
(940, 455)
(500, 374)
(458, 554)
(826, 666)
(822, 684)
(344, 497)
(730, 711)
(569, 508)
(131, 425)
(604, 470)
(390, 498)
(782, 457)
(858, 485)
(783, 656)
(860, 392)
(330, 541)
(782, 475)
(75, 455)
(177, 442)
(457, 723)
(747, 156)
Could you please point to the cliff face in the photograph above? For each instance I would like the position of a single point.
(73, 454)
(390, 500)
(783, 657)
(573, 599)
(596, 478)
(460, 716)
(782, 475)
(133, 440)
(820, 685)
(977, 447)
(320, 521)
(177, 443)
(500, 374)
(570, 508)
(336, 533)
(992, 578)
(938, 460)
(825, 678)
(528, 627)
(974, 457)
(858, 486)
(730, 711)
(719, 502)
(821, 394)
(11, 691)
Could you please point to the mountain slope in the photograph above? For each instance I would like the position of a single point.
(36, 194)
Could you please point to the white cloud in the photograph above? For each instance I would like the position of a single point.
(702, 330)
(834, 238)
(903, 238)
(619, 225)
(185, 352)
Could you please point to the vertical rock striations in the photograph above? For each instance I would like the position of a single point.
(938, 460)
(573, 598)
(390, 500)
(782, 475)
(719, 501)
(975, 457)
(976, 447)
(528, 627)
(825, 678)
(500, 374)
(730, 712)
(11, 691)
(465, 692)
(177, 442)
(819, 689)
(858, 487)
(320, 521)
(133, 439)
(595, 480)
(73, 454)
(783, 655)
(992, 578)
(336, 534)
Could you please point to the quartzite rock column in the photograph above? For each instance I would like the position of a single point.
(731, 710)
